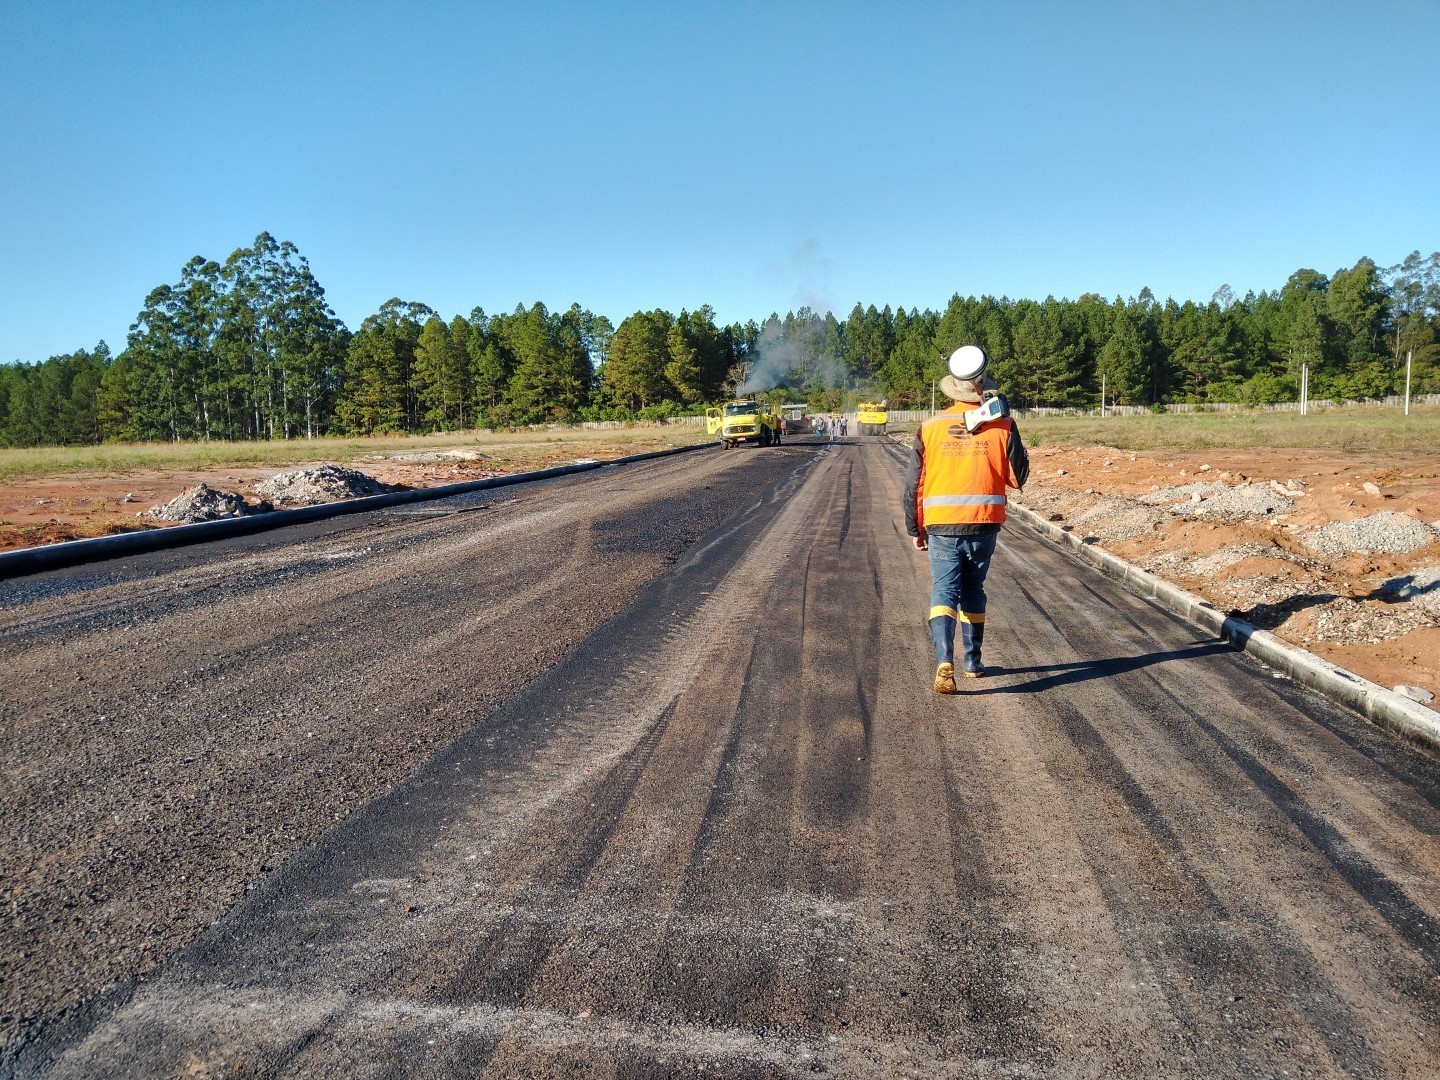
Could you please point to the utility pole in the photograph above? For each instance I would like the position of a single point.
(1102, 395)
(932, 397)
(1304, 389)
(1409, 355)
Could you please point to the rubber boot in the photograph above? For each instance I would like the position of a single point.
(942, 633)
(972, 635)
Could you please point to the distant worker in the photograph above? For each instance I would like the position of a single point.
(844, 425)
(961, 462)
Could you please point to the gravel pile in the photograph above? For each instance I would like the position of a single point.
(1354, 622)
(1421, 588)
(1216, 500)
(441, 455)
(1118, 519)
(201, 503)
(308, 487)
(1227, 557)
(1385, 533)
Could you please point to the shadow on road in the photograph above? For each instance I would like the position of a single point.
(1078, 671)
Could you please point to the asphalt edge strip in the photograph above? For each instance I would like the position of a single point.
(33, 560)
(1384, 708)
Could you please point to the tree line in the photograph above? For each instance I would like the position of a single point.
(250, 349)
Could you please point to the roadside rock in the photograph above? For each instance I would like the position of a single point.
(328, 483)
(202, 503)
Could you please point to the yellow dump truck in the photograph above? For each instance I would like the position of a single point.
(871, 417)
(743, 421)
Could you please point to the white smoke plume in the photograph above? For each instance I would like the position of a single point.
(778, 359)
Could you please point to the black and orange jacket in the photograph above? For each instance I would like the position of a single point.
(957, 479)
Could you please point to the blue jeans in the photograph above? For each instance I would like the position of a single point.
(958, 565)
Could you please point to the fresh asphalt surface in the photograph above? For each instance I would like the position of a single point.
(734, 833)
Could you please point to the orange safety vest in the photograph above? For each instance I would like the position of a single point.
(963, 475)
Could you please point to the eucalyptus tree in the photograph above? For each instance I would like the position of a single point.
(284, 343)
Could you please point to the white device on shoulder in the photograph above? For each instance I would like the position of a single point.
(992, 408)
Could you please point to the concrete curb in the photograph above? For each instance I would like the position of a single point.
(1383, 708)
(76, 552)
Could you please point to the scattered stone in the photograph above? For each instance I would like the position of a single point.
(130, 497)
(1288, 492)
(1415, 693)
(1061, 472)
(1385, 533)
(1204, 468)
(328, 483)
(1184, 472)
(1107, 462)
(201, 503)
(1369, 488)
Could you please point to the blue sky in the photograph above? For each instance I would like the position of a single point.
(755, 157)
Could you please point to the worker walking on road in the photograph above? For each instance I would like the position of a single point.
(955, 504)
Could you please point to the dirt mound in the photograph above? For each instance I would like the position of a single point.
(1387, 533)
(328, 483)
(201, 503)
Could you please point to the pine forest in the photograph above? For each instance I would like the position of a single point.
(250, 349)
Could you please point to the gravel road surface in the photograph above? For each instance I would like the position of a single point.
(634, 784)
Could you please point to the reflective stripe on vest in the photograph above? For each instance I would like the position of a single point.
(964, 500)
(964, 474)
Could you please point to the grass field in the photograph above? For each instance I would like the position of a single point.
(1378, 428)
(508, 448)
(1369, 429)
